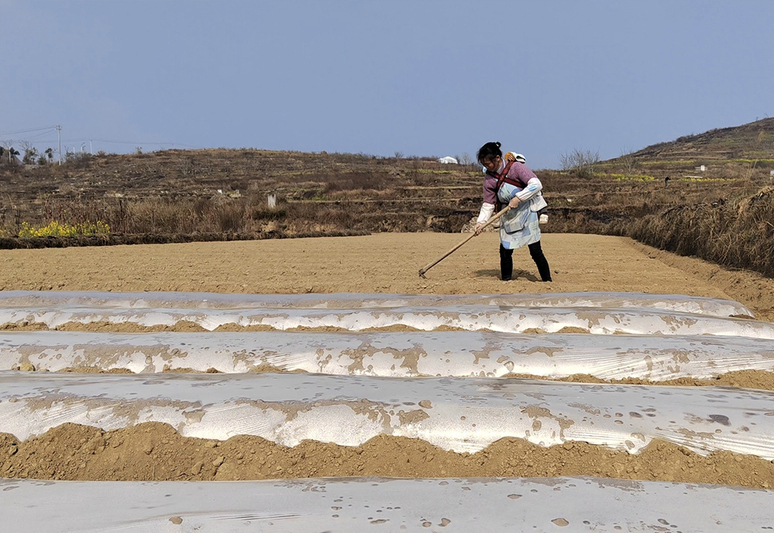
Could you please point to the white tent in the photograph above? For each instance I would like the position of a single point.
(448, 160)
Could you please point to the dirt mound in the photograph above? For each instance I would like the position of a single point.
(154, 451)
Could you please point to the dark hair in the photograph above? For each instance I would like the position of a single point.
(491, 149)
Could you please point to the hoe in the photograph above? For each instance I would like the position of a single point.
(422, 271)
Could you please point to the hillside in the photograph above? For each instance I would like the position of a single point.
(217, 190)
(225, 194)
(749, 141)
(744, 151)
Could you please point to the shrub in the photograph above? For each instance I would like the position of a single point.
(230, 217)
(269, 214)
(56, 229)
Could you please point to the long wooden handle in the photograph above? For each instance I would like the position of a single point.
(447, 254)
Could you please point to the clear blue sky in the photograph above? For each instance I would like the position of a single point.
(420, 77)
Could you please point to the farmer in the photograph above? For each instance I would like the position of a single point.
(511, 182)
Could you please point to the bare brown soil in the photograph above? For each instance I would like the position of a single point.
(376, 263)
(153, 451)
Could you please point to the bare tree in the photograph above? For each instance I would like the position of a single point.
(30, 152)
(10, 152)
(465, 159)
(628, 161)
(580, 162)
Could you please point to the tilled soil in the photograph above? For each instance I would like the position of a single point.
(386, 263)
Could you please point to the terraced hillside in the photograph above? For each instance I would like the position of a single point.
(707, 195)
(226, 191)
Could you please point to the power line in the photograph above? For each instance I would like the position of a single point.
(82, 140)
(40, 134)
(27, 131)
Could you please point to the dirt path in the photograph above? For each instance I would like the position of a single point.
(376, 263)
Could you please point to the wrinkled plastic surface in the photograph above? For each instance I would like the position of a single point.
(374, 504)
(463, 415)
(186, 300)
(598, 321)
(393, 354)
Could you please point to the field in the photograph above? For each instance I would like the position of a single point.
(172, 384)
(385, 263)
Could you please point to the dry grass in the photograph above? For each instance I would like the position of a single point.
(737, 233)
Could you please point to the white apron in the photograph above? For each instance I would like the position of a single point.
(518, 227)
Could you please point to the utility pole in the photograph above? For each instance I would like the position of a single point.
(59, 140)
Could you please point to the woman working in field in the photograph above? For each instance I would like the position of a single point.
(512, 183)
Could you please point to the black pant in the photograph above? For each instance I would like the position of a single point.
(506, 262)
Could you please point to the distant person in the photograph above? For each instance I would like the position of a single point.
(512, 183)
(666, 181)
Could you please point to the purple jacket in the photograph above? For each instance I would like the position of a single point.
(518, 172)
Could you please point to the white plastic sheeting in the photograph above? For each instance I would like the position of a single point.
(374, 504)
(598, 321)
(657, 337)
(204, 300)
(463, 415)
(392, 354)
